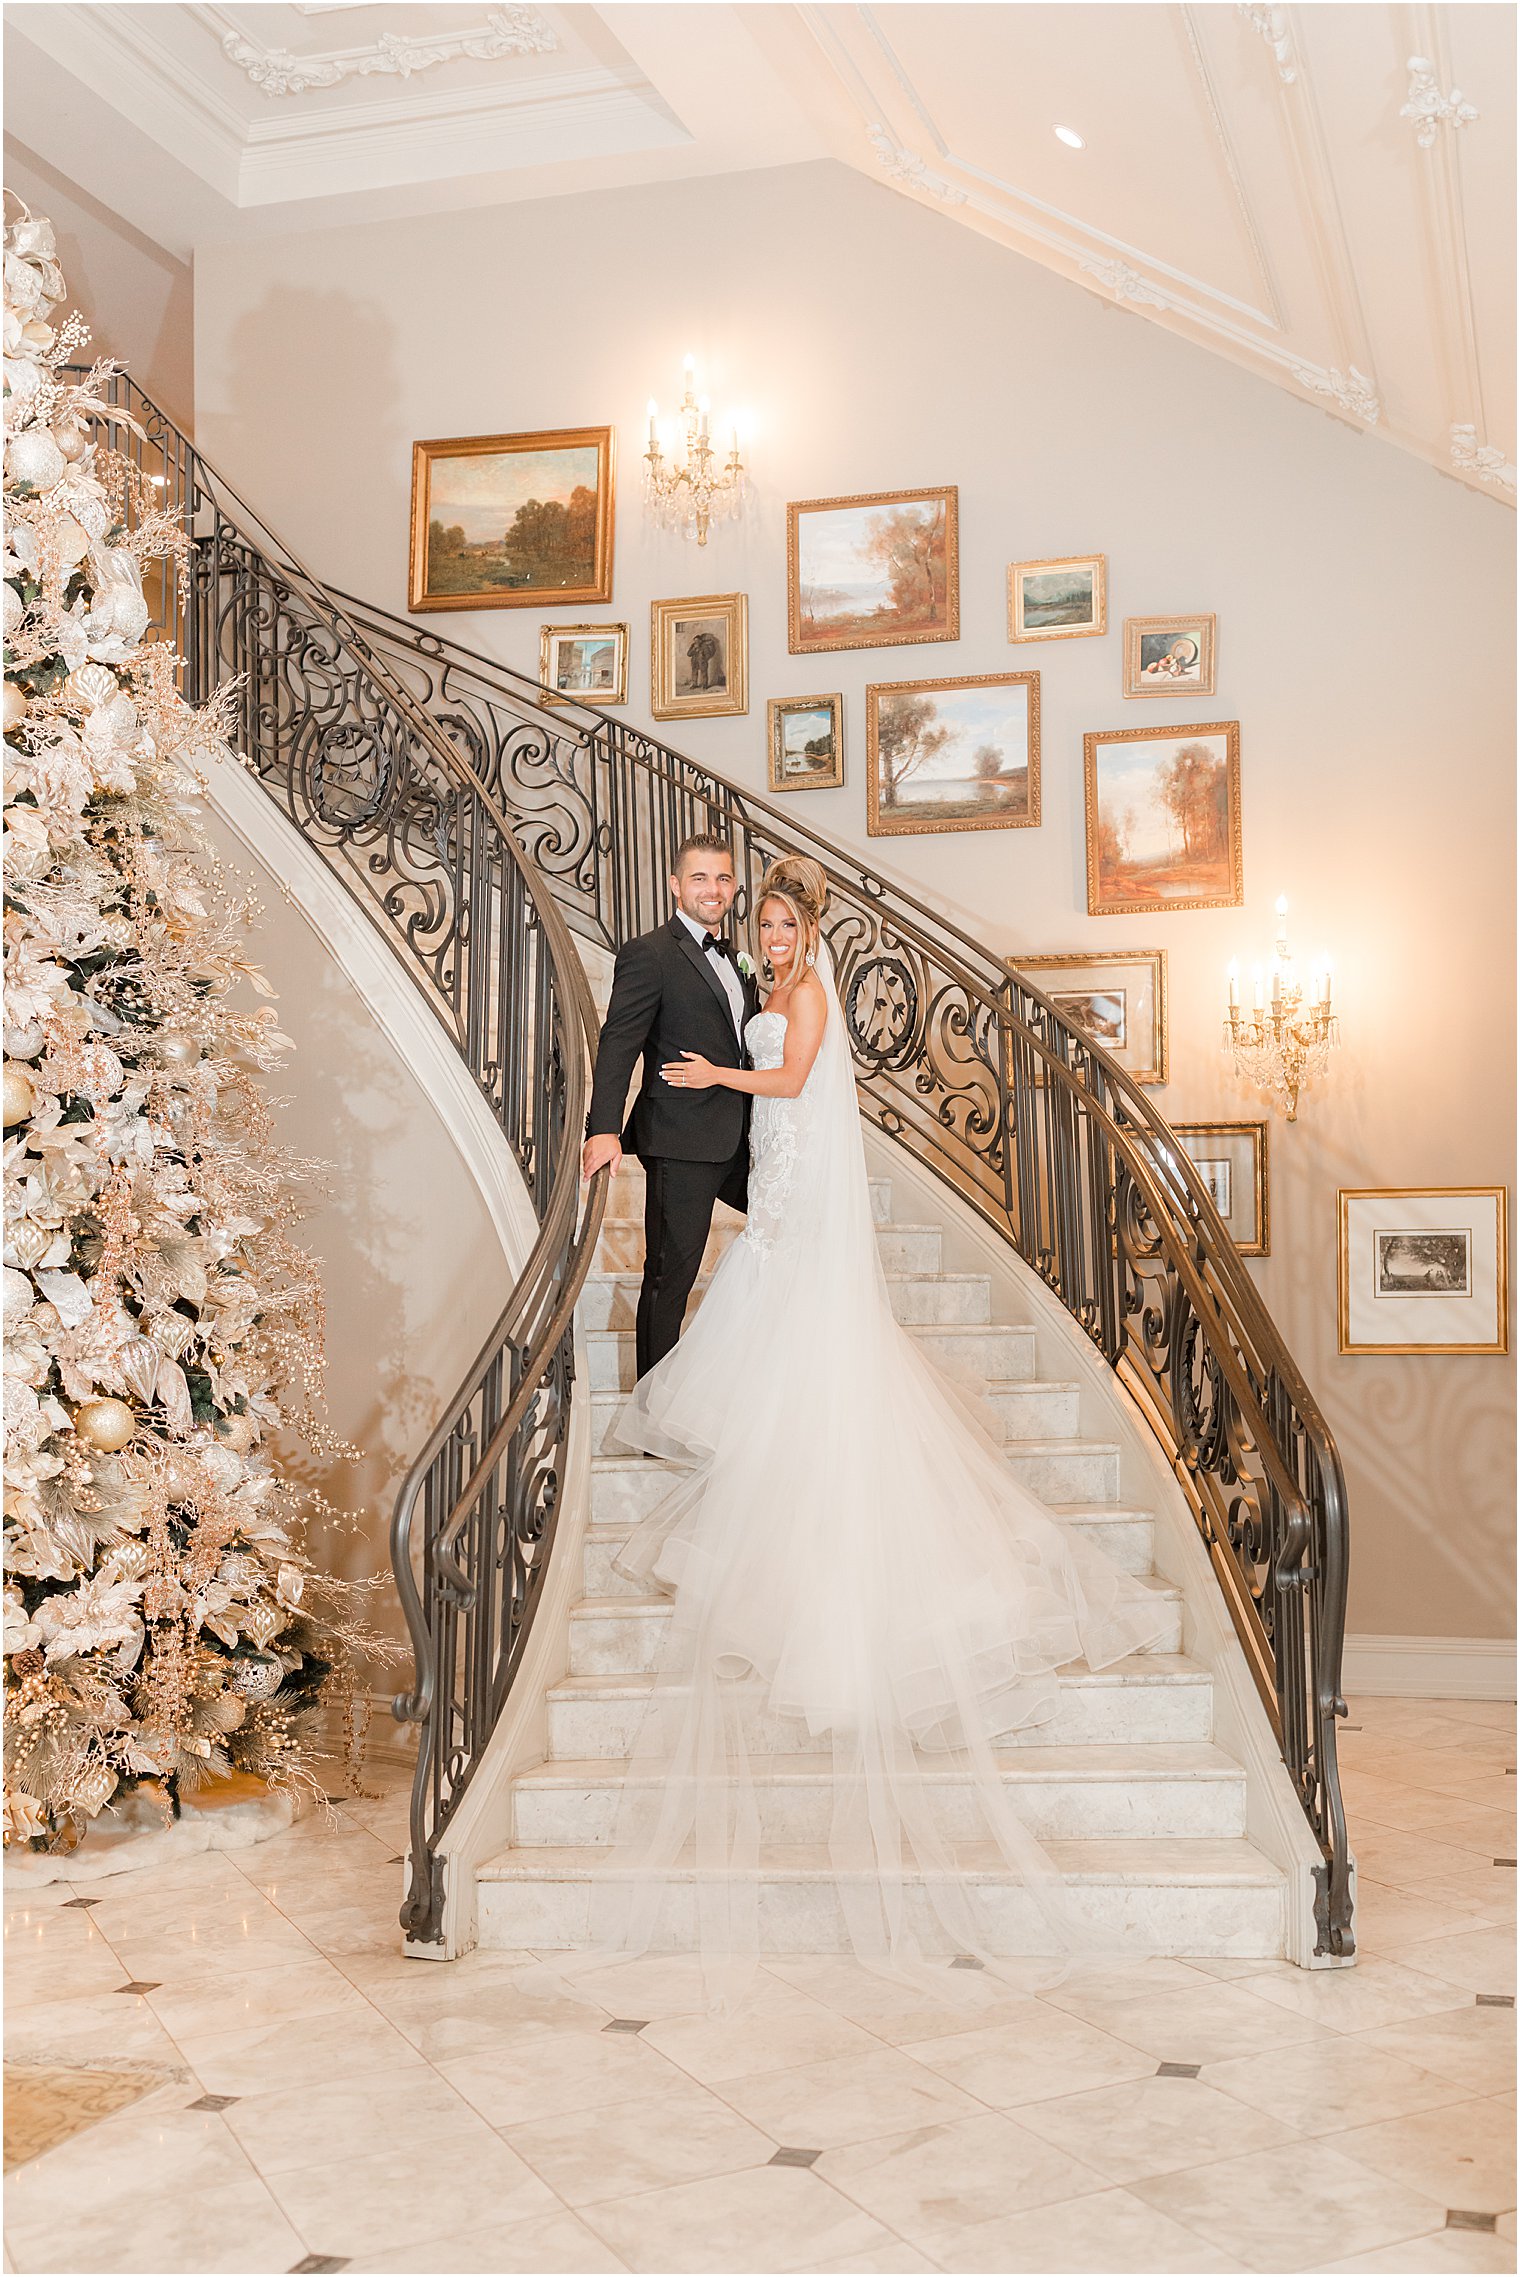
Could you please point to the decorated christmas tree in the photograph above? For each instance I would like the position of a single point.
(163, 1620)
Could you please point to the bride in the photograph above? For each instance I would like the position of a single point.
(863, 1594)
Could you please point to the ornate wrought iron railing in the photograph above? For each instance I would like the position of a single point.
(966, 1064)
(376, 783)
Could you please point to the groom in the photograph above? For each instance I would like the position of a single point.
(676, 989)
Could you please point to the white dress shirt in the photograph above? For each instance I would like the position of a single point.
(724, 967)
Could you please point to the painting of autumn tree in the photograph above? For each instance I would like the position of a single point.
(954, 754)
(871, 572)
(1163, 819)
(510, 524)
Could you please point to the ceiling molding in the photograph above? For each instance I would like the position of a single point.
(119, 59)
(277, 71)
(1427, 109)
(1271, 24)
(1231, 162)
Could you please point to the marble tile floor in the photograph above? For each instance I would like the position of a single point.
(321, 2103)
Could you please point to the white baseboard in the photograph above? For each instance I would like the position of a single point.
(1430, 1668)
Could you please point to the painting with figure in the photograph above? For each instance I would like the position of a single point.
(1423, 1269)
(1098, 1012)
(1163, 819)
(954, 754)
(872, 572)
(509, 521)
(1423, 1264)
(699, 657)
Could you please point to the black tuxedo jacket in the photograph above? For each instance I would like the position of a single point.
(667, 998)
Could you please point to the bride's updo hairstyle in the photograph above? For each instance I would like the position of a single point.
(800, 885)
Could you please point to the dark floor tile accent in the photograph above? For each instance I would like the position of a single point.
(626, 2024)
(1495, 1999)
(1458, 2218)
(139, 1985)
(398, 1860)
(967, 1961)
(788, 2157)
(319, 2261)
(1351, 1727)
(70, 1901)
(212, 2102)
(1178, 2071)
(1504, 1861)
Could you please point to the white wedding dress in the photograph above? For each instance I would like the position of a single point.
(859, 1584)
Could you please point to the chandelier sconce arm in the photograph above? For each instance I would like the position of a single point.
(690, 496)
(1284, 1042)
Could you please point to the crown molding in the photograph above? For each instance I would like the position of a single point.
(278, 71)
(117, 56)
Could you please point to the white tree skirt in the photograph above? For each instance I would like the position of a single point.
(232, 1814)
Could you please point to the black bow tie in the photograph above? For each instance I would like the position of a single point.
(716, 946)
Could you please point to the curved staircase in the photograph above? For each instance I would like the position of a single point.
(1144, 1814)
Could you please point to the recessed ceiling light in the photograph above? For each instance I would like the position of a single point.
(1070, 137)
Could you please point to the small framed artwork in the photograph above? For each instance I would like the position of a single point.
(1163, 818)
(872, 572)
(512, 521)
(806, 742)
(1424, 1269)
(585, 661)
(1058, 600)
(1169, 656)
(1231, 1159)
(1118, 1000)
(700, 656)
(953, 754)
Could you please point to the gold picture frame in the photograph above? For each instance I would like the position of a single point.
(1056, 613)
(999, 799)
(1232, 1146)
(699, 656)
(1395, 1271)
(512, 483)
(1127, 1022)
(581, 681)
(794, 761)
(1135, 801)
(1169, 656)
(835, 557)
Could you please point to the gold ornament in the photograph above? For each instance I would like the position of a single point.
(20, 1098)
(105, 1423)
(177, 1049)
(239, 1432)
(15, 704)
(72, 441)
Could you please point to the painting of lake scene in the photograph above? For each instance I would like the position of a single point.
(512, 521)
(1058, 600)
(954, 754)
(1163, 819)
(872, 572)
(806, 742)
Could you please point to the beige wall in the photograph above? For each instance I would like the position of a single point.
(1365, 610)
(136, 298)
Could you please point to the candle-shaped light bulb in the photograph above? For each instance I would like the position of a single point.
(654, 430)
(1234, 982)
(703, 407)
(1325, 977)
(1256, 986)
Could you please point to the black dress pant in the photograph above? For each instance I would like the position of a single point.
(678, 1208)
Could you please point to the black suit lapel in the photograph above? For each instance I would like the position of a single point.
(704, 964)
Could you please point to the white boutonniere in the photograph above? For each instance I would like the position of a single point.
(746, 965)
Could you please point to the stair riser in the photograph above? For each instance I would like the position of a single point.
(997, 1360)
(630, 1644)
(1077, 1475)
(1037, 1411)
(1243, 1922)
(1087, 1714)
(621, 1247)
(612, 1302)
(1075, 1810)
(625, 1198)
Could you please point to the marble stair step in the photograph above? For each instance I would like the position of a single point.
(903, 1248)
(610, 1300)
(1060, 1793)
(1215, 1896)
(989, 1355)
(624, 1636)
(1143, 1699)
(626, 1197)
(1040, 1435)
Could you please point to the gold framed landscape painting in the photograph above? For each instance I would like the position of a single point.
(1169, 656)
(874, 571)
(1231, 1159)
(1119, 1000)
(1058, 600)
(953, 754)
(1163, 818)
(585, 662)
(805, 740)
(1424, 1269)
(512, 521)
(699, 663)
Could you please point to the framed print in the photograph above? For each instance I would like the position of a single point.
(1058, 600)
(512, 521)
(1231, 1159)
(586, 661)
(1169, 656)
(953, 754)
(1163, 818)
(805, 737)
(699, 667)
(1119, 1000)
(872, 572)
(1424, 1269)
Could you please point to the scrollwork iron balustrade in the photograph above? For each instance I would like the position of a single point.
(394, 799)
(960, 1060)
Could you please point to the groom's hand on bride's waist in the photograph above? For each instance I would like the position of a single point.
(691, 1072)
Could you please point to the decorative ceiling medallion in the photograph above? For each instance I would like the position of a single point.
(1480, 459)
(1428, 109)
(904, 167)
(1352, 390)
(1272, 24)
(1124, 282)
(276, 71)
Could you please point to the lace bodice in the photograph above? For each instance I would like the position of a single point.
(765, 1038)
(775, 1132)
